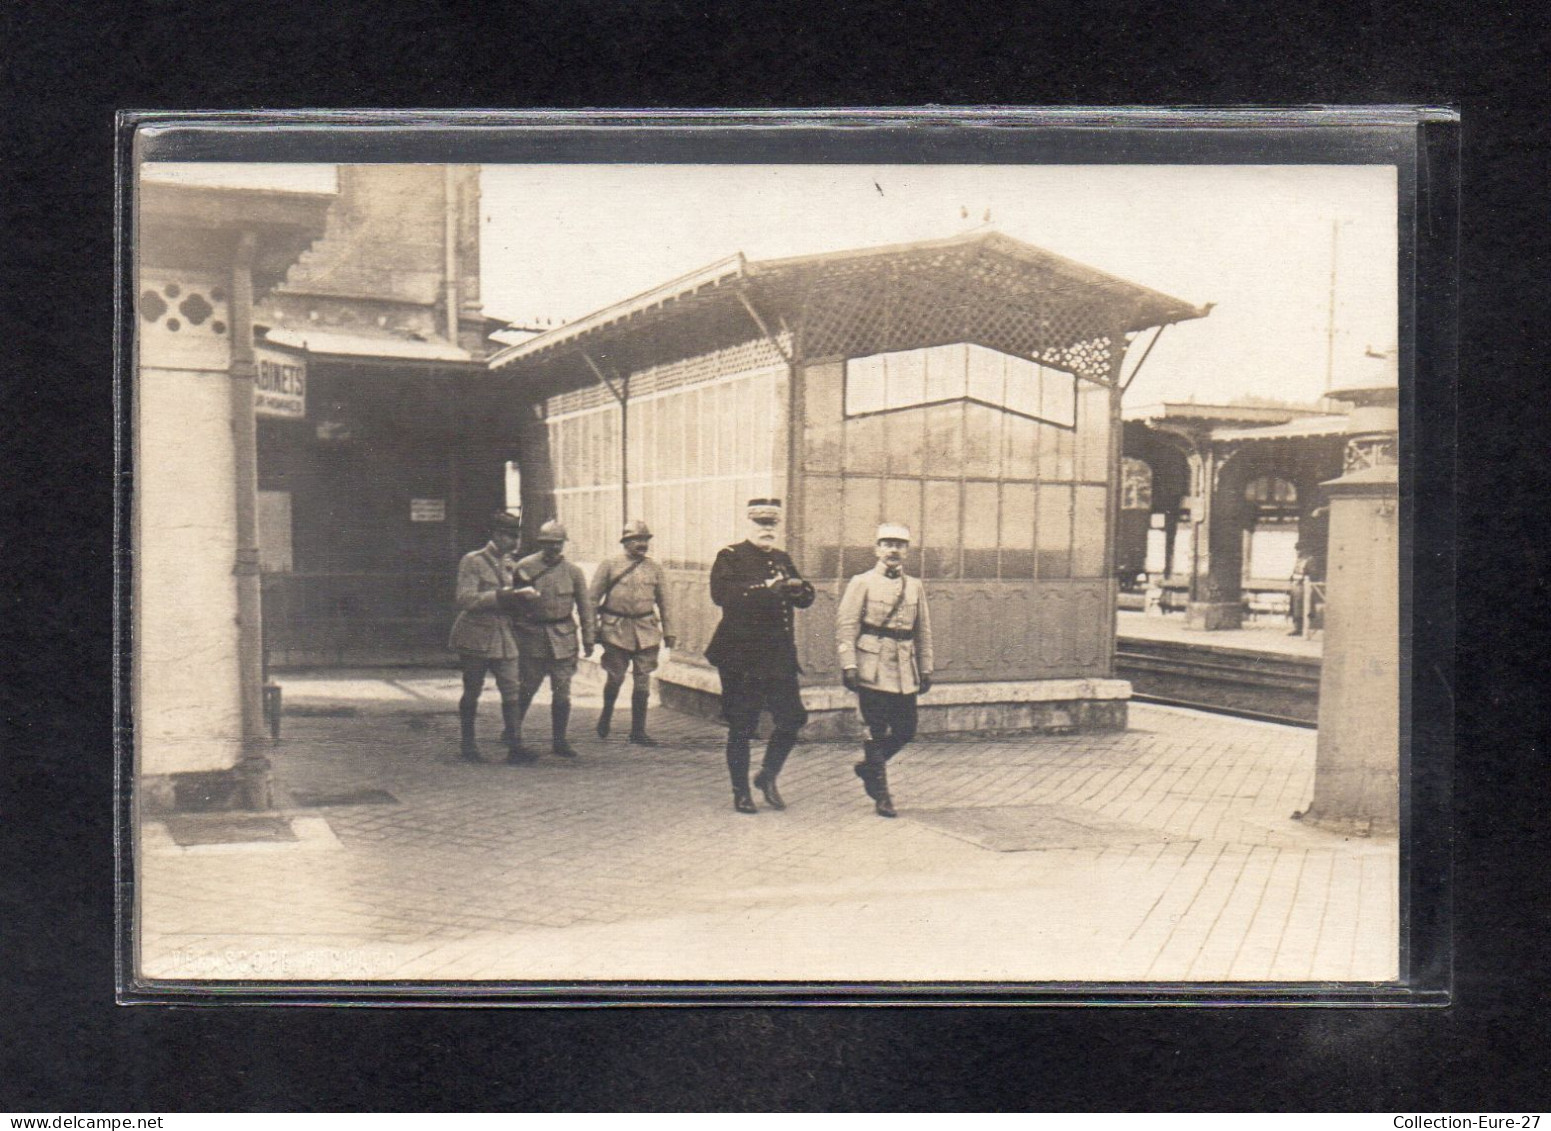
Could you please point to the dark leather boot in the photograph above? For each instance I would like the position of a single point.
(468, 749)
(883, 804)
(864, 768)
(765, 782)
(516, 753)
(638, 704)
(606, 717)
(559, 719)
(738, 771)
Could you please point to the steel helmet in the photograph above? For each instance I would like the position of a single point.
(551, 531)
(635, 528)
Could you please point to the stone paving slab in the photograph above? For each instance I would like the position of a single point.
(630, 864)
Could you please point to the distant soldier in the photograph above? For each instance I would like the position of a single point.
(482, 635)
(884, 636)
(630, 595)
(546, 634)
(755, 652)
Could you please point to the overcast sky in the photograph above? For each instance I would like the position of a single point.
(562, 240)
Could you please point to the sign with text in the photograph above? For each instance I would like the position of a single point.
(427, 510)
(279, 384)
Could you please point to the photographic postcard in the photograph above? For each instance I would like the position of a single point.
(726, 573)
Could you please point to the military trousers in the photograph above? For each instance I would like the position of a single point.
(890, 719)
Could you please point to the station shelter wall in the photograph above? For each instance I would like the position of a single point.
(706, 434)
(1001, 469)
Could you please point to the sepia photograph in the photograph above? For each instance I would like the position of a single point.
(854, 575)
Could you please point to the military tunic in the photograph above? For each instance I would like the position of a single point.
(756, 631)
(895, 659)
(547, 626)
(482, 628)
(634, 614)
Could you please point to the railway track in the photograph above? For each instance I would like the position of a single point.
(1234, 681)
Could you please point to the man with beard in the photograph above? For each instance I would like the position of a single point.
(754, 650)
(482, 635)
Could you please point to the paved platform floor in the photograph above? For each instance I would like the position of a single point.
(1165, 853)
(1272, 637)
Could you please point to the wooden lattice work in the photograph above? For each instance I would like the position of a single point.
(959, 296)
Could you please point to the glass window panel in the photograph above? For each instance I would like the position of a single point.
(859, 522)
(987, 375)
(821, 510)
(1020, 438)
(864, 384)
(905, 442)
(945, 436)
(823, 389)
(1017, 524)
(692, 418)
(980, 529)
(902, 504)
(1093, 434)
(727, 431)
(982, 440)
(1058, 396)
(945, 372)
(1091, 532)
(905, 382)
(864, 448)
(823, 444)
(1022, 386)
(940, 537)
(1053, 531)
(673, 426)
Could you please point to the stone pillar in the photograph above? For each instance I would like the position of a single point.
(188, 704)
(1357, 768)
(199, 729)
(1214, 586)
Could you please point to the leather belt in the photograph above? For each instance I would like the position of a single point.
(627, 616)
(891, 633)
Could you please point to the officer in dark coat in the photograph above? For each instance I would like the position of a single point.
(755, 652)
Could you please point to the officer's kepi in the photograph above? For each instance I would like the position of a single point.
(766, 512)
(893, 532)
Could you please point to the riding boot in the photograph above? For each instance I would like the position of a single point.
(865, 768)
(738, 771)
(559, 719)
(606, 718)
(883, 804)
(638, 704)
(516, 752)
(467, 713)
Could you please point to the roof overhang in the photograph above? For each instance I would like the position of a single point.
(195, 227)
(1059, 303)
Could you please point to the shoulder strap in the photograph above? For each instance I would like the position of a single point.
(904, 585)
(617, 578)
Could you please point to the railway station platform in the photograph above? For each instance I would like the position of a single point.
(1257, 672)
(1169, 852)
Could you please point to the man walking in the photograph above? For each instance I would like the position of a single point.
(547, 635)
(630, 596)
(884, 636)
(755, 652)
(482, 635)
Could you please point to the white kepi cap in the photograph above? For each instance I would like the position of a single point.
(893, 530)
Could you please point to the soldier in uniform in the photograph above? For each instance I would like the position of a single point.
(755, 652)
(884, 635)
(547, 634)
(482, 635)
(630, 596)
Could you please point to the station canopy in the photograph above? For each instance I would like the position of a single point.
(985, 288)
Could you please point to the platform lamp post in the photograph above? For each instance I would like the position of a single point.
(1357, 764)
